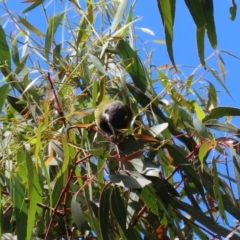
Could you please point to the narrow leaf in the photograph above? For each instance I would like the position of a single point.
(167, 12)
(4, 49)
(4, 90)
(53, 24)
(29, 26)
(133, 65)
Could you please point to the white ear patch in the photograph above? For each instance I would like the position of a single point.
(106, 115)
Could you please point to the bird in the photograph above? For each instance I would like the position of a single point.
(112, 115)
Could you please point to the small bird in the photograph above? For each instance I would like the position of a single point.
(112, 115)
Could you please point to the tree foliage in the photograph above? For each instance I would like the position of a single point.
(173, 174)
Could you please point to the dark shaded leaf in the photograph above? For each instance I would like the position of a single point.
(19, 107)
(104, 209)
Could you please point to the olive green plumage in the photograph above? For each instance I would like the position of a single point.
(113, 115)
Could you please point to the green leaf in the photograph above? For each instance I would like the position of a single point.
(167, 12)
(236, 164)
(219, 112)
(78, 215)
(199, 112)
(5, 58)
(215, 74)
(207, 6)
(133, 65)
(97, 63)
(104, 211)
(118, 15)
(34, 5)
(195, 8)
(200, 44)
(118, 209)
(20, 207)
(57, 54)
(29, 26)
(34, 194)
(66, 157)
(212, 96)
(200, 128)
(19, 107)
(224, 127)
(203, 152)
(4, 90)
(53, 24)
(132, 207)
(208, 222)
(217, 192)
(144, 101)
(183, 164)
(151, 203)
(14, 51)
(233, 10)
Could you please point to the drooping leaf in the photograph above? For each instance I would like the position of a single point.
(200, 32)
(207, 6)
(167, 12)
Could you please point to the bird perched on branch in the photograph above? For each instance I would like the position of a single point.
(112, 115)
